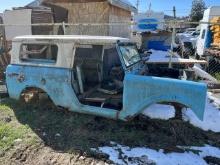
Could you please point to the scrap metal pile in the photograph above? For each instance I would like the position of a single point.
(215, 28)
(214, 50)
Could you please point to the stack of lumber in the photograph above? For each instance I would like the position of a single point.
(39, 16)
(215, 28)
(5, 58)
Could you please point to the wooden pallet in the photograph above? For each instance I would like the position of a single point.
(216, 31)
(214, 52)
(215, 46)
(4, 60)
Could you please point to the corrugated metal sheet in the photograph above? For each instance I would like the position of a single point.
(35, 3)
(125, 4)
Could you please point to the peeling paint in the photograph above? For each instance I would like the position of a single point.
(139, 92)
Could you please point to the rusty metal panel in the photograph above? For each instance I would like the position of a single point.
(142, 91)
(56, 82)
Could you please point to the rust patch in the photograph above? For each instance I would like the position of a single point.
(43, 81)
(21, 78)
(13, 75)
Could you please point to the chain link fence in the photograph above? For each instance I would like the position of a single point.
(187, 39)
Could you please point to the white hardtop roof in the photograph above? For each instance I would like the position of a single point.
(72, 38)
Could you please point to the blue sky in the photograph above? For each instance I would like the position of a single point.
(183, 6)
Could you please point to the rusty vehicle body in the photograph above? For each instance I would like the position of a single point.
(95, 75)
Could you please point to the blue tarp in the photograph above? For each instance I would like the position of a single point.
(158, 45)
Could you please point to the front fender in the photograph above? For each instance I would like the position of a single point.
(142, 91)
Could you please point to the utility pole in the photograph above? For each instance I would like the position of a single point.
(173, 37)
(149, 7)
(137, 5)
(174, 12)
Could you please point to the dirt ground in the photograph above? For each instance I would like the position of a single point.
(53, 136)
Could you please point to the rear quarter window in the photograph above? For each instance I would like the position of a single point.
(45, 53)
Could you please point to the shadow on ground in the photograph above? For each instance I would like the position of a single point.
(70, 132)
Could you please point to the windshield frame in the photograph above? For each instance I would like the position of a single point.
(128, 44)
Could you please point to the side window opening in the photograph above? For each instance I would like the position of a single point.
(88, 58)
(39, 53)
(112, 67)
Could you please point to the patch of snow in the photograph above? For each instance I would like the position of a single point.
(207, 150)
(211, 118)
(151, 156)
(158, 55)
(113, 154)
(159, 111)
(215, 100)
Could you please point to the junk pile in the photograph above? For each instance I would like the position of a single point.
(213, 52)
(215, 28)
(4, 53)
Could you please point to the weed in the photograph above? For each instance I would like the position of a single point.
(217, 76)
(9, 133)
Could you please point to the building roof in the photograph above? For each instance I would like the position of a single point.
(70, 38)
(125, 4)
(35, 3)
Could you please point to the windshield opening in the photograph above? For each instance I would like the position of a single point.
(130, 54)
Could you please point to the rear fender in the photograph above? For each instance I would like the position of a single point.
(143, 91)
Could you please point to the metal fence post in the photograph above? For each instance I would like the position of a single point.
(173, 37)
(64, 28)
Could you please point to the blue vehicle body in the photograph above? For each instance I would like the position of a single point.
(139, 91)
(56, 79)
(143, 91)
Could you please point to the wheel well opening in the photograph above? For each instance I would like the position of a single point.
(33, 94)
(177, 107)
